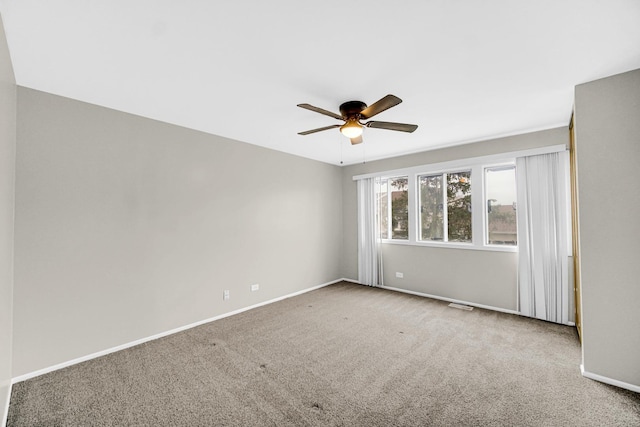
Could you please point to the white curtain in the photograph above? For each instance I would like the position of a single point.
(543, 282)
(369, 253)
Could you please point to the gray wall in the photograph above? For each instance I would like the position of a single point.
(607, 124)
(487, 278)
(7, 169)
(127, 227)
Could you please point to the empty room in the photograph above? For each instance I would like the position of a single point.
(332, 214)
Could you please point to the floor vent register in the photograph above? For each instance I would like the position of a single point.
(461, 306)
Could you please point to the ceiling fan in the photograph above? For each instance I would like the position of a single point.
(352, 112)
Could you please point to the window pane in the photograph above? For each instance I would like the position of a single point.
(459, 206)
(399, 207)
(431, 208)
(501, 206)
(383, 197)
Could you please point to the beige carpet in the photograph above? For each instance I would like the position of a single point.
(344, 355)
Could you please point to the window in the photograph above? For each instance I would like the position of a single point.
(393, 196)
(500, 197)
(445, 210)
(431, 208)
(460, 204)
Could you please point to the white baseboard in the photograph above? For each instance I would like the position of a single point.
(608, 380)
(420, 294)
(457, 301)
(6, 407)
(161, 334)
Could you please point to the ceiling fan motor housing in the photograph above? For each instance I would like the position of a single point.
(352, 109)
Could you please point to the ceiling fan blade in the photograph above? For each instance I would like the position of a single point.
(307, 132)
(379, 106)
(321, 111)
(356, 140)
(403, 127)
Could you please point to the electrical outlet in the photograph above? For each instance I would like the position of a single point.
(255, 287)
(225, 295)
(399, 275)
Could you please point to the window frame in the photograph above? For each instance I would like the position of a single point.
(477, 166)
(478, 216)
(389, 210)
(445, 204)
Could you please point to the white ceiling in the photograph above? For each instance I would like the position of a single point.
(466, 70)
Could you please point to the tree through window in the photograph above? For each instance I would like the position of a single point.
(393, 198)
(445, 210)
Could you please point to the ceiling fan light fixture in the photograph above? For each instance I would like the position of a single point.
(351, 129)
(351, 112)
